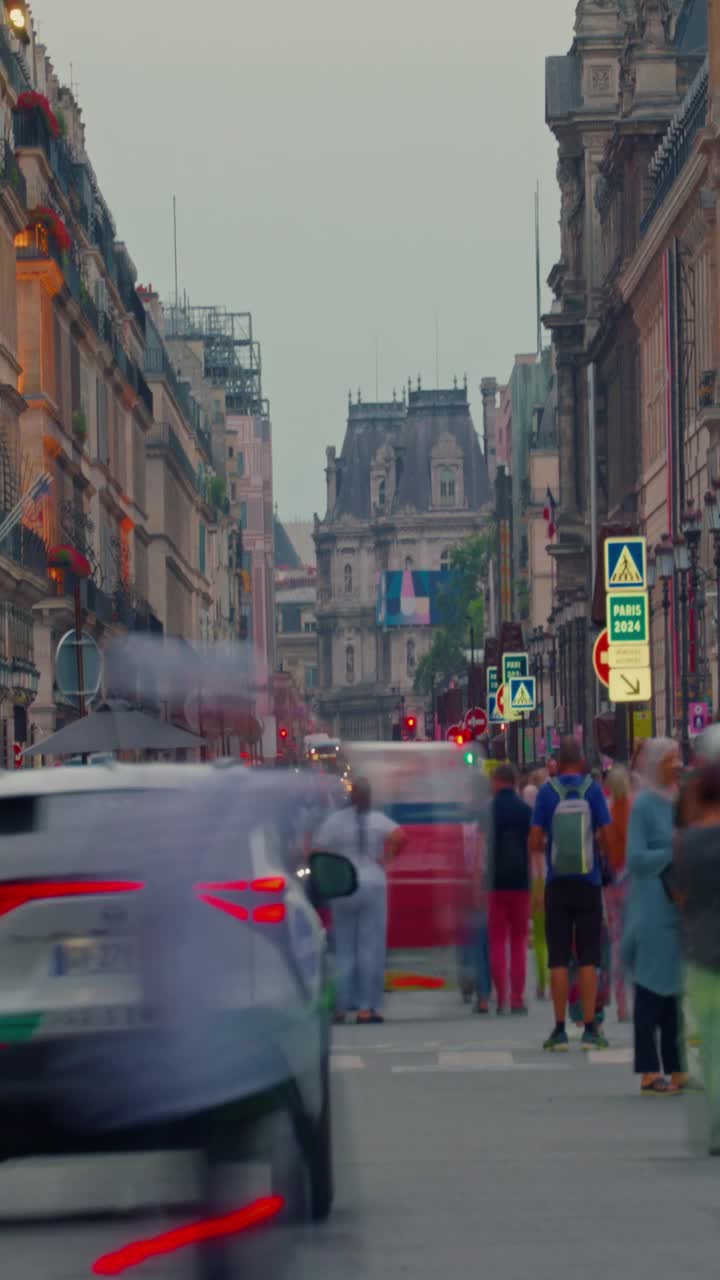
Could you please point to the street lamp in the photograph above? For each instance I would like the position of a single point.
(19, 23)
(691, 525)
(681, 553)
(712, 515)
(665, 565)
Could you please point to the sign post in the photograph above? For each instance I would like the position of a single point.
(628, 620)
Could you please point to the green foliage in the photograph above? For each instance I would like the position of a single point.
(462, 607)
(217, 491)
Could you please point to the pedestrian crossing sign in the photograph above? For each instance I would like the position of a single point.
(494, 716)
(626, 564)
(523, 695)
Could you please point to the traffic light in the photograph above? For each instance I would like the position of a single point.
(410, 728)
(284, 735)
(469, 757)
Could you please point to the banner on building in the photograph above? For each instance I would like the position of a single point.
(411, 598)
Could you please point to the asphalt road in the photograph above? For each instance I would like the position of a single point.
(462, 1150)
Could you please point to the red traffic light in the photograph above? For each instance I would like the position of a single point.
(284, 734)
(460, 739)
(411, 722)
(409, 728)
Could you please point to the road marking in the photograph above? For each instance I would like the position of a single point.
(475, 1061)
(610, 1057)
(346, 1062)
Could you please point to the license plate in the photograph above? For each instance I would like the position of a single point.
(85, 957)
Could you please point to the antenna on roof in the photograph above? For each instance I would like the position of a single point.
(177, 295)
(437, 349)
(377, 370)
(538, 301)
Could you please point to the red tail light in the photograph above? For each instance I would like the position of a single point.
(269, 884)
(114, 1264)
(18, 894)
(223, 886)
(230, 908)
(273, 913)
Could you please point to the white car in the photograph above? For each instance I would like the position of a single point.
(80, 859)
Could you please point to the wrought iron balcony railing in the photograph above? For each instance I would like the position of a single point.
(11, 174)
(677, 146)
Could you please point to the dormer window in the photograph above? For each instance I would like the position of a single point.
(447, 485)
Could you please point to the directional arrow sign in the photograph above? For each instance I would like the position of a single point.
(633, 685)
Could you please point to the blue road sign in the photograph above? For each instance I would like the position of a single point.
(626, 564)
(493, 714)
(523, 694)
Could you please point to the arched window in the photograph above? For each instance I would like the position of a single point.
(447, 484)
(409, 562)
(381, 491)
(445, 559)
(410, 657)
(350, 663)
(347, 579)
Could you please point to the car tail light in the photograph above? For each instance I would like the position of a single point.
(272, 913)
(230, 908)
(223, 886)
(269, 884)
(20, 893)
(133, 1255)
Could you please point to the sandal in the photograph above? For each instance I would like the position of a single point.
(659, 1086)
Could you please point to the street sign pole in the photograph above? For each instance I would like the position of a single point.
(79, 652)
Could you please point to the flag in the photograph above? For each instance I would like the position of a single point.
(549, 514)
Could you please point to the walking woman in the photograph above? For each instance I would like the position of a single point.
(617, 889)
(651, 944)
(696, 880)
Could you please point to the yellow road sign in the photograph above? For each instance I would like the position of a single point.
(629, 655)
(642, 724)
(630, 685)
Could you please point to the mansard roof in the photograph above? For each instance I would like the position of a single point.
(413, 429)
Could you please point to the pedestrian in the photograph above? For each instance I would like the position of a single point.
(473, 949)
(651, 942)
(616, 887)
(569, 830)
(371, 841)
(696, 882)
(537, 899)
(509, 891)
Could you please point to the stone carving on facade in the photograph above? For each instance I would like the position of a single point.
(571, 200)
(601, 81)
(655, 23)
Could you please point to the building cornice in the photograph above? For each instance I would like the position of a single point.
(634, 271)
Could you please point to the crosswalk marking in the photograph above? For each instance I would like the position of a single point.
(346, 1062)
(479, 1060)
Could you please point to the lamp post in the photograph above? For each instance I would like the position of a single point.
(691, 525)
(651, 581)
(712, 514)
(682, 567)
(665, 562)
(580, 623)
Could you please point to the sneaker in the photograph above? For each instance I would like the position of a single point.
(482, 1006)
(519, 1010)
(557, 1042)
(593, 1039)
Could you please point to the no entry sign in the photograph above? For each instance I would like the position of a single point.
(600, 658)
(476, 721)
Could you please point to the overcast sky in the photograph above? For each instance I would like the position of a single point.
(345, 171)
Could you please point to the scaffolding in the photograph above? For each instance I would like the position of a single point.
(231, 354)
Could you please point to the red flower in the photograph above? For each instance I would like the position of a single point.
(29, 100)
(54, 226)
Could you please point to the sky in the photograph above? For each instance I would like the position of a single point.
(360, 177)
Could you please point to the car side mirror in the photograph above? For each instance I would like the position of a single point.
(332, 876)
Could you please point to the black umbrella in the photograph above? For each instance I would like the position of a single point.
(115, 727)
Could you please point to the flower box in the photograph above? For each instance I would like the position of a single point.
(30, 100)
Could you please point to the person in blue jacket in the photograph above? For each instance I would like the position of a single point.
(652, 942)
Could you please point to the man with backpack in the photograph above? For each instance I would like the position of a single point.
(509, 885)
(570, 830)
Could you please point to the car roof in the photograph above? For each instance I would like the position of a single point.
(111, 777)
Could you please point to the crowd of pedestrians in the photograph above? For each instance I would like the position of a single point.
(618, 877)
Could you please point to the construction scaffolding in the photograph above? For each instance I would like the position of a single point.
(232, 357)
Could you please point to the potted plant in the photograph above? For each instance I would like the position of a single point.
(79, 423)
(30, 101)
(54, 225)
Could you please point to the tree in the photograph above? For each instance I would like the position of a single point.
(461, 604)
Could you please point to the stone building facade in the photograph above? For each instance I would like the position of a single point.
(610, 102)
(410, 483)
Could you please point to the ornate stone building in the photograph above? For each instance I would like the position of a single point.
(409, 484)
(609, 102)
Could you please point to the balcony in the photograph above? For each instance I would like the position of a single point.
(25, 548)
(162, 437)
(11, 64)
(157, 363)
(678, 144)
(11, 174)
